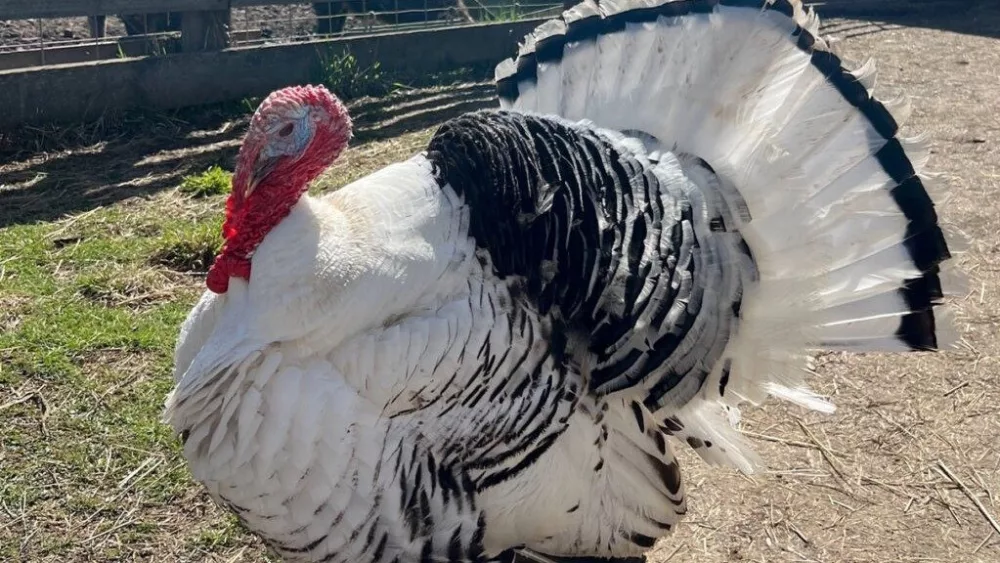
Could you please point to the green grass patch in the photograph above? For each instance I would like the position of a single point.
(188, 248)
(349, 79)
(213, 181)
(90, 310)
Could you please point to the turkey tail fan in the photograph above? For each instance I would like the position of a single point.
(833, 205)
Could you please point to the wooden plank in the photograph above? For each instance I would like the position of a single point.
(86, 91)
(25, 9)
(108, 49)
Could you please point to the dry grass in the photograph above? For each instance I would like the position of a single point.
(906, 470)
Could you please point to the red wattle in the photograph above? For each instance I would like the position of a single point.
(226, 267)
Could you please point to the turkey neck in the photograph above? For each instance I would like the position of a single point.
(254, 217)
(248, 220)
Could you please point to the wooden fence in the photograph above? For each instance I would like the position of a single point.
(86, 91)
(207, 70)
(203, 21)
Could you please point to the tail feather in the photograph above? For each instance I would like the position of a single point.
(831, 202)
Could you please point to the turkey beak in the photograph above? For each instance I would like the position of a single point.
(261, 168)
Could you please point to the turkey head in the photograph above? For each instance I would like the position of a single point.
(294, 135)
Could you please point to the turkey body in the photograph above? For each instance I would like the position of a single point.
(455, 456)
(491, 346)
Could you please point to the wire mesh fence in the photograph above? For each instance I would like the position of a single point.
(42, 41)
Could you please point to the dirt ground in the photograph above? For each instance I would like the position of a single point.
(906, 470)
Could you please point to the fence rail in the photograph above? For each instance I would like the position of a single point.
(29, 9)
(40, 32)
(88, 91)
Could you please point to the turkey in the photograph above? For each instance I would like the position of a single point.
(490, 350)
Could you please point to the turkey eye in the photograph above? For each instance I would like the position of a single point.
(286, 130)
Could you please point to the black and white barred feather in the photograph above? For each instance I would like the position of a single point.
(733, 198)
(621, 251)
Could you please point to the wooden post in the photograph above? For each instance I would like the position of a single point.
(204, 31)
(98, 26)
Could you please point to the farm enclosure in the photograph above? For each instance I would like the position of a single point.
(226, 50)
(101, 254)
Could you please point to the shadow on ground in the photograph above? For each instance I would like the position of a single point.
(48, 173)
(972, 17)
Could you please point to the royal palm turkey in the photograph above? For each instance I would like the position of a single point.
(491, 351)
